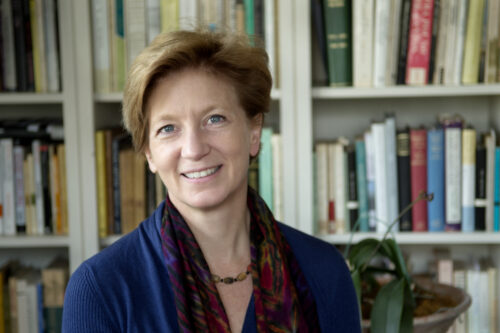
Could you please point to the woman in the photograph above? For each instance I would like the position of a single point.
(211, 257)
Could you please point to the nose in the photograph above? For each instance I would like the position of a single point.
(195, 144)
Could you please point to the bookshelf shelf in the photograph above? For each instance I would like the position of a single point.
(118, 96)
(107, 241)
(406, 91)
(31, 98)
(422, 238)
(33, 242)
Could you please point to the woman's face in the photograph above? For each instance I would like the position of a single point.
(200, 139)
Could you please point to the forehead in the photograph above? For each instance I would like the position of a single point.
(190, 90)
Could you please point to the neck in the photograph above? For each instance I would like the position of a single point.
(223, 233)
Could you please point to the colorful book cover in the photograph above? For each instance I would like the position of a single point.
(370, 180)
(352, 191)
(362, 186)
(100, 153)
(391, 169)
(480, 198)
(337, 16)
(404, 181)
(496, 218)
(418, 163)
(470, 72)
(435, 179)
(419, 44)
(468, 178)
(453, 177)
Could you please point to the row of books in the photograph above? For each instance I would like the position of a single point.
(370, 43)
(368, 183)
(29, 44)
(127, 191)
(480, 280)
(31, 300)
(33, 196)
(123, 28)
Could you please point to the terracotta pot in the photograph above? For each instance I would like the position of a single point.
(440, 321)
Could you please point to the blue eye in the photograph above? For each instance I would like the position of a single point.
(167, 129)
(215, 119)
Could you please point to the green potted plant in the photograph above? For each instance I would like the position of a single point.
(390, 306)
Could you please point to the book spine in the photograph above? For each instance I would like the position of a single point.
(249, 17)
(418, 165)
(340, 188)
(18, 155)
(370, 180)
(39, 194)
(188, 14)
(270, 35)
(8, 50)
(490, 143)
(120, 64)
(101, 56)
(100, 154)
(434, 39)
(380, 42)
(108, 162)
(20, 45)
(169, 15)
(331, 186)
(470, 72)
(40, 30)
(451, 41)
(480, 200)
(2, 202)
(362, 42)
(28, 42)
(460, 37)
(115, 146)
(496, 210)
(391, 170)
(258, 18)
(352, 193)
(51, 46)
(404, 183)
(266, 167)
(9, 208)
(403, 42)
(153, 21)
(419, 44)
(362, 185)
(453, 182)
(492, 50)
(439, 67)
(435, 179)
(61, 153)
(47, 202)
(135, 28)
(393, 32)
(468, 178)
(337, 16)
(55, 191)
(381, 197)
(322, 188)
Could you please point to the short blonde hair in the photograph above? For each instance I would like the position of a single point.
(230, 56)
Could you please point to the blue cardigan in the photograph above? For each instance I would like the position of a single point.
(126, 288)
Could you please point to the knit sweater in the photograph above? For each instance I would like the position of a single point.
(126, 287)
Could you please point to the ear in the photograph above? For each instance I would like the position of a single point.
(151, 163)
(255, 132)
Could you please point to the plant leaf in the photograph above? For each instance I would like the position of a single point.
(398, 260)
(362, 252)
(407, 315)
(356, 279)
(388, 307)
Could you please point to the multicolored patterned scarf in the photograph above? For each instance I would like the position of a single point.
(283, 300)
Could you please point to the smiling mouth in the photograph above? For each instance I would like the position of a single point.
(201, 174)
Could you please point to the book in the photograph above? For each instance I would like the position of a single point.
(370, 180)
(404, 183)
(9, 206)
(480, 192)
(419, 43)
(435, 179)
(324, 192)
(8, 49)
(118, 47)
(55, 191)
(404, 29)
(453, 175)
(102, 203)
(418, 171)
(459, 44)
(51, 45)
(490, 143)
(468, 178)
(443, 35)
(266, 167)
(492, 48)
(331, 184)
(54, 278)
(496, 195)
(380, 167)
(188, 14)
(169, 15)
(352, 191)
(19, 197)
(459, 281)
(249, 17)
(101, 51)
(135, 28)
(270, 35)
(2, 175)
(362, 42)
(380, 41)
(28, 42)
(61, 153)
(393, 32)
(434, 39)
(340, 175)
(139, 191)
(319, 45)
(391, 169)
(470, 71)
(153, 19)
(362, 184)
(337, 17)
(20, 45)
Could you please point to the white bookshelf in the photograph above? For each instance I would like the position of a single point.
(421, 238)
(30, 98)
(35, 242)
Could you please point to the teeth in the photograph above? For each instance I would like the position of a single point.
(200, 174)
